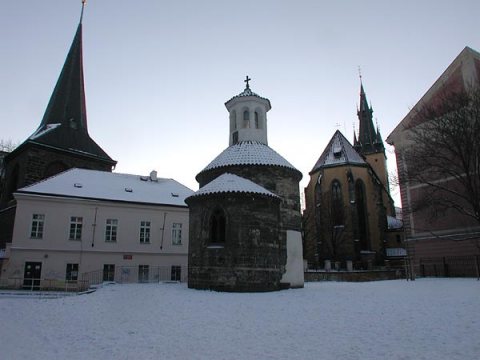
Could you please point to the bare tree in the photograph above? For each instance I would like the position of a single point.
(7, 145)
(445, 157)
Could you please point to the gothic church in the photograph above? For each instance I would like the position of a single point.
(349, 213)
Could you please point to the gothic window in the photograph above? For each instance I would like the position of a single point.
(246, 119)
(256, 120)
(217, 226)
(337, 203)
(361, 202)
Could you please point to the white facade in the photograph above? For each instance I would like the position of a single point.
(85, 235)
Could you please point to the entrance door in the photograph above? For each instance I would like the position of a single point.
(31, 276)
(108, 272)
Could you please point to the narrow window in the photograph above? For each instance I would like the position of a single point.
(337, 204)
(75, 228)
(235, 137)
(177, 234)
(71, 274)
(111, 230)
(143, 271)
(233, 118)
(37, 226)
(217, 227)
(256, 121)
(144, 232)
(246, 119)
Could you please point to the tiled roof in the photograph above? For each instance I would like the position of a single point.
(247, 92)
(230, 183)
(248, 153)
(338, 152)
(102, 185)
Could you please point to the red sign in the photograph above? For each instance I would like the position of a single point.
(127, 257)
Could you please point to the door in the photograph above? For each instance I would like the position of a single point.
(176, 274)
(108, 272)
(31, 275)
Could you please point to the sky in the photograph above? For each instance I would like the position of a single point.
(157, 73)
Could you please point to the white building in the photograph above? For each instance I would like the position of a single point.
(95, 225)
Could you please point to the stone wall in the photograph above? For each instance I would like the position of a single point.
(279, 180)
(253, 256)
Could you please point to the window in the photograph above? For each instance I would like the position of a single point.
(145, 232)
(75, 228)
(246, 119)
(217, 226)
(235, 137)
(37, 226)
(176, 274)
(337, 203)
(72, 272)
(143, 273)
(111, 230)
(256, 120)
(177, 234)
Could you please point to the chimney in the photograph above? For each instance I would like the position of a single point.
(153, 175)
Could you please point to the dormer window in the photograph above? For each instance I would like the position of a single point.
(337, 152)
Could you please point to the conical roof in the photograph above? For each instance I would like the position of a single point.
(248, 153)
(338, 152)
(230, 183)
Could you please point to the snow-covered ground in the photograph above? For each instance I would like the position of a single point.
(424, 319)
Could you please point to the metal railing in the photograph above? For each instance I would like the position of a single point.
(39, 284)
(450, 266)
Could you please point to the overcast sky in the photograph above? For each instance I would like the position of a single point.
(158, 73)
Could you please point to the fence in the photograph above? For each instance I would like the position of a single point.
(450, 266)
(151, 274)
(44, 284)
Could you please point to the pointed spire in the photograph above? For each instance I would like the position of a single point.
(367, 136)
(67, 103)
(64, 124)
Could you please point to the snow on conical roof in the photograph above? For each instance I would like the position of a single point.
(248, 153)
(230, 183)
(338, 152)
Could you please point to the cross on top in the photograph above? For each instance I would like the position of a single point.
(247, 79)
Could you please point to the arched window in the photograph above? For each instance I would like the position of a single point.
(337, 204)
(361, 203)
(217, 226)
(246, 119)
(256, 120)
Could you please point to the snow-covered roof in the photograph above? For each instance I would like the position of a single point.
(248, 153)
(248, 92)
(102, 185)
(338, 152)
(394, 223)
(230, 183)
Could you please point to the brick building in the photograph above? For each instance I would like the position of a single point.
(349, 212)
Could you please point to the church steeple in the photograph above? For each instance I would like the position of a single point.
(64, 123)
(368, 137)
(248, 116)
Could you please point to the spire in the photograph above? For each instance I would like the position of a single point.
(64, 124)
(67, 103)
(367, 135)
